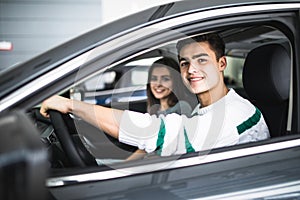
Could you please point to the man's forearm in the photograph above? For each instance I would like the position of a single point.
(106, 119)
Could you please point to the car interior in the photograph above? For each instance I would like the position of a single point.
(270, 91)
(259, 64)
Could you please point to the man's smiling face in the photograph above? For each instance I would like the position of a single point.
(199, 67)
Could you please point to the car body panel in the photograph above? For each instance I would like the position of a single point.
(194, 177)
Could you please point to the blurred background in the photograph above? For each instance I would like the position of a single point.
(30, 27)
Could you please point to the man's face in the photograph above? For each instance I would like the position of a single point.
(199, 67)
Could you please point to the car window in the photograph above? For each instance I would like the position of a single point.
(125, 82)
(122, 85)
(105, 80)
(126, 90)
(234, 72)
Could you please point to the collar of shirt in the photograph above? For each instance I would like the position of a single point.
(201, 111)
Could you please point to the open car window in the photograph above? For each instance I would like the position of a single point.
(123, 86)
(123, 83)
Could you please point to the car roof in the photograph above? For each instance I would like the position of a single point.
(14, 77)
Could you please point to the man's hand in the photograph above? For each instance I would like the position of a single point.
(58, 103)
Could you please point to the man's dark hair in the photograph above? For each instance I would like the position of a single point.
(215, 41)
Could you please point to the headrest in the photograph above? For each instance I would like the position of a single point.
(266, 73)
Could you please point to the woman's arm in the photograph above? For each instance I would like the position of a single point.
(107, 119)
(138, 154)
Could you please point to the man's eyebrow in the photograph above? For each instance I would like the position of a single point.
(182, 59)
(199, 55)
(193, 57)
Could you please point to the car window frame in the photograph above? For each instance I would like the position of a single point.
(269, 12)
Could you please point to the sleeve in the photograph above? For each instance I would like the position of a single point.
(248, 120)
(150, 133)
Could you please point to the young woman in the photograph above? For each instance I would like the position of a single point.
(165, 89)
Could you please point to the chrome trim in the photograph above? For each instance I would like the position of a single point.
(201, 159)
(43, 81)
(136, 33)
(290, 110)
(284, 191)
(226, 11)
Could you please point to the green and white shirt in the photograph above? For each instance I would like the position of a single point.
(229, 121)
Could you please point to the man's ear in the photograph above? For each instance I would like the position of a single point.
(222, 63)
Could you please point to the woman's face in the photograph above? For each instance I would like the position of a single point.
(161, 83)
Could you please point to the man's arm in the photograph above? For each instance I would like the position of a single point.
(107, 119)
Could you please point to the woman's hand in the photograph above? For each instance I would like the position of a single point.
(58, 103)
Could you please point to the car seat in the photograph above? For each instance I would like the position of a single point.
(266, 79)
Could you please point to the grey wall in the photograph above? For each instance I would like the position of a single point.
(34, 26)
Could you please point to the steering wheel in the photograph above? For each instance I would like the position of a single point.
(75, 151)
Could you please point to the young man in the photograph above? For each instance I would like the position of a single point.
(222, 117)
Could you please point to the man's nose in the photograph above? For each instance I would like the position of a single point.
(192, 68)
